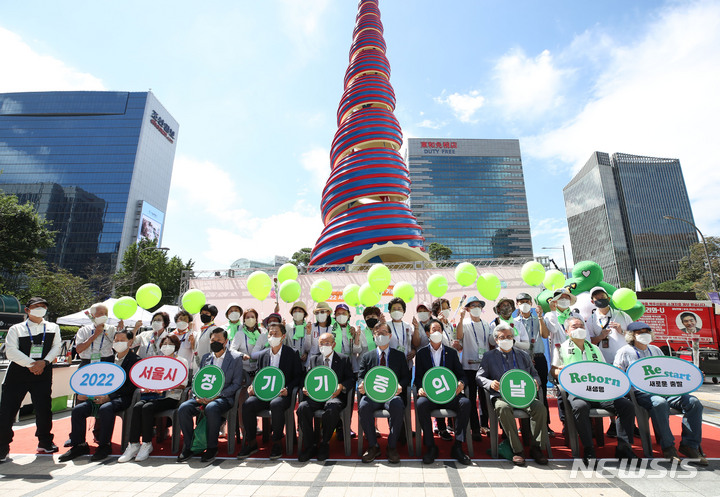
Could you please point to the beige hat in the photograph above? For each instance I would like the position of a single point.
(323, 305)
(301, 305)
(560, 292)
(233, 304)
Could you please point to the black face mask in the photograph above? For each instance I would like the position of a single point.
(371, 322)
(216, 346)
(205, 318)
(602, 303)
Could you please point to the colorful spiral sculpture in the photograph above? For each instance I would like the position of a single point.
(363, 204)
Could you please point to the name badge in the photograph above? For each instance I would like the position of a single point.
(401, 349)
(94, 357)
(36, 352)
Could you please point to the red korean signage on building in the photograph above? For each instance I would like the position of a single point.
(679, 321)
(435, 147)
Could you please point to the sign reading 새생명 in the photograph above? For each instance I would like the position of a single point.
(158, 373)
(96, 379)
(664, 375)
(518, 388)
(594, 381)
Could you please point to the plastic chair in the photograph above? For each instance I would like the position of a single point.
(172, 414)
(289, 422)
(440, 413)
(570, 422)
(384, 413)
(643, 421)
(345, 418)
(126, 417)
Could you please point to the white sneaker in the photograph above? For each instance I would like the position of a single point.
(145, 451)
(130, 452)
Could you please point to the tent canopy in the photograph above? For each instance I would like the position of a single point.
(81, 319)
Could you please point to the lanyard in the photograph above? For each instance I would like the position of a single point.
(506, 364)
(607, 323)
(442, 355)
(32, 339)
(398, 336)
(477, 340)
(530, 329)
(92, 344)
(327, 328)
(637, 352)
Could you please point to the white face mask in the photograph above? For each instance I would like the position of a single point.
(250, 322)
(234, 316)
(446, 313)
(397, 315)
(38, 312)
(505, 344)
(182, 325)
(382, 340)
(274, 341)
(476, 312)
(320, 317)
(525, 308)
(167, 349)
(643, 338)
(579, 333)
(157, 325)
(326, 350)
(423, 316)
(436, 336)
(101, 320)
(563, 303)
(342, 319)
(120, 347)
(299, 317)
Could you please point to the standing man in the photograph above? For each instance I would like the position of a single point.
(31, 347)
(94, 342)
(208, 312)
(606, 326)
(559, 312)
(504, 309)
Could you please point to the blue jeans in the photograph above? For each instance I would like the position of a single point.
(214, 412)
(659, 409)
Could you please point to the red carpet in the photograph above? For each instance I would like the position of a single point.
(26, 443)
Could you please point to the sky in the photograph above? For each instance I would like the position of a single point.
(255, 86)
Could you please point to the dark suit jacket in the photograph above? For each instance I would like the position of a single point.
(396, 361)
(423, 362)
(126, 391)
(343, 369)
(232, 367)
(290, 365)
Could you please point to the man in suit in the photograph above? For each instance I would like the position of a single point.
(231, 364)
(330, 357)
(436, 354)
(283, 357)
(383, 355)
(109, 406)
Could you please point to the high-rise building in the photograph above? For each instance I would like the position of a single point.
(615, 207)
(97, 165)
(469, 195)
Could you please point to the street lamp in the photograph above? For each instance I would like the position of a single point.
(564, 257)
(707, 255)
(137, 256)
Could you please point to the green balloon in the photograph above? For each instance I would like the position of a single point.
(465, 274)
(404, 290)
(286, 272)
(379, 277)
(491, 286)
(554, 279)
(125, 307)
(193, 300)
(290, 291)
(148, 295)
(350, 294)
(259, 285)
(437, 285)
(368, 296)
(533, 273)
(624, 298)
(321, 290)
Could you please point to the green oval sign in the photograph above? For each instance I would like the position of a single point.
(268, 382)
(380, 384)
(518, 388)
(208, 382)
(440, 384)
(321, 383)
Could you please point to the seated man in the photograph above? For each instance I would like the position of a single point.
(108, 406)
(283, 357)
(382, 355)
(437, 354)
(638, 336)
(231, 363)
(331, 409)
(495, 363)
(578, 348)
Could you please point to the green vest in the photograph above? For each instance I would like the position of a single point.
(570, 353)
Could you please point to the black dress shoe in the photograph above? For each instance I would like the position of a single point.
(457, 453)
(209, 455)
(75, 451)
(47, 448)
(371, 454)
(588, 454)
(537, 454)
(393, 456)
(4, 452)
(276, 451)
(101, 452)
(249, 449)
(445, 435)
(431, 454)
(323, 452)
(185, 455)
(68, 443)
(307, 454)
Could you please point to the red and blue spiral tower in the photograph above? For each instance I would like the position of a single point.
(364, 202)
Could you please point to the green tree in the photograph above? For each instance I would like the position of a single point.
(693, 274)
(301, 258)
(439, 252)
(24, 234)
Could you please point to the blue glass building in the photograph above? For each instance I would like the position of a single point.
(94, 164)
(469, 195)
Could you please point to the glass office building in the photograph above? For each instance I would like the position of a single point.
(615, 207)
(97, 165)
(469, 195)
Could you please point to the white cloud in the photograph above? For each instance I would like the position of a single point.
(429, 123)
(317, 162)
(464, 106)
(551, 232)
(24, 69)
(301, 23)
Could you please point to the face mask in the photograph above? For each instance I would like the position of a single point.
(423, 316)
(476, 312)
(397, 315)
(274, 341)
(505, 311)
(167, 349)
(101, 320)
(157, 325)
(38, 312)
(525, 308)
(250, 322)
(182, 325)
(578, 333)
(342, 319)
(299, 317)
(602, 303)
(234, 316)
(436, 336)
(326, 350)
(216, 346)
(320, 317)
(446, 313)
(120, 347)
(643, 338)
(505, 344)
(563, 303)
(382, 340)
(205, 318)
(371, 322)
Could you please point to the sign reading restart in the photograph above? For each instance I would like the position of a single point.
(162, 127)
(662, 375)
(436, 148)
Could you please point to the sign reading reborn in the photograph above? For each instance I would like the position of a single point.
(594, 381)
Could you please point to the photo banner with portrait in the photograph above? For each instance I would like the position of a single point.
(679, 321)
